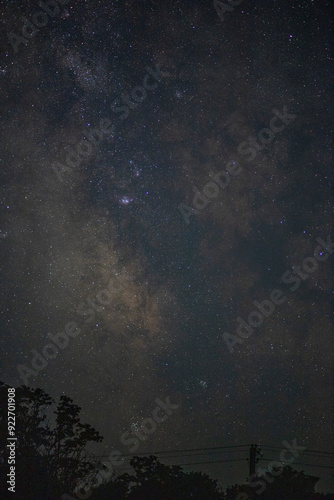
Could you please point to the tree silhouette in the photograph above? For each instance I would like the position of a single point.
(52, 459)
(32, 433)
(153, 480)
(67, 449)
(288, 484)
(282, 483)
(51, 446)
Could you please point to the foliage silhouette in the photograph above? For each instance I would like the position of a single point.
(52, 458)
(51, 446)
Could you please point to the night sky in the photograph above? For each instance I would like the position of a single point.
(165, 166)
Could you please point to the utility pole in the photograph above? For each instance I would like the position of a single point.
(254, 450)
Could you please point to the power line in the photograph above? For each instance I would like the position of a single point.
(203, 453)
(147, 453)
(314, 451)
(200, 463)
(305, 451)
(313, 465)
(238, 460)
(308, 455)
(216, 461)
(207, 448)
(220, 449)
(182, 456)
(297, 463)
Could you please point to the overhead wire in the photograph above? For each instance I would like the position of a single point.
(214, 450)
(148, 453)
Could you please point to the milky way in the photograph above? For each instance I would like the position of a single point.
(112, 117)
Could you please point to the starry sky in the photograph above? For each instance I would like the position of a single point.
(115, 117)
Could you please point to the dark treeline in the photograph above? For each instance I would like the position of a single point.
(51, 462)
